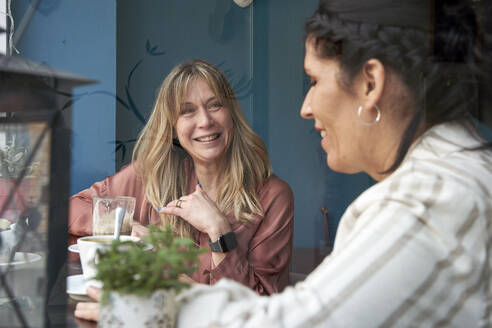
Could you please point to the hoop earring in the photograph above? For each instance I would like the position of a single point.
(378, 117)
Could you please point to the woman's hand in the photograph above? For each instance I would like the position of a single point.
(186, 279)
(139, 230)
(201, 212)
(89, 310)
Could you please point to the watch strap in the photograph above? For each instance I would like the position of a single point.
(225, 243)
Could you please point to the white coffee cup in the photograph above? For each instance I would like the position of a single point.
(88, 247)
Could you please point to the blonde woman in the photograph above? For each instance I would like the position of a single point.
(198, 166)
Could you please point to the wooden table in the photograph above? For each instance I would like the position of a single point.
(304, 260)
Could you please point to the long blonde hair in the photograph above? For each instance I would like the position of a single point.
(164, 167)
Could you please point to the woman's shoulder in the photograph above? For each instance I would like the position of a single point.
(127, 178)
(447, 152)
(130, 171)
(275, 187)
(419, 186)
(469, 170)
(276, 183)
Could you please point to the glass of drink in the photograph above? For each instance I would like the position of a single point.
(104, 214)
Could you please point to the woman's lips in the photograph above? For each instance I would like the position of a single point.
(208, 138)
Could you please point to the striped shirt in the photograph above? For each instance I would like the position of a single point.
(411, 251)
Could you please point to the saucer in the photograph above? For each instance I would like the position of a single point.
(76, 284)
(22, 258)
(74, 248)
(76, 287)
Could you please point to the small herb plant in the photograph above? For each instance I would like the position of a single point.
(132, 268)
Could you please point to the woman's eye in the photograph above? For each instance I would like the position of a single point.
(215, 106)
(187, 111)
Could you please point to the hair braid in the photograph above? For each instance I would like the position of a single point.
(440, 69)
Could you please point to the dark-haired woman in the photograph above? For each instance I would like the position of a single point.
(392, 83)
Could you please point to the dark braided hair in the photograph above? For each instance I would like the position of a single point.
(433, 46)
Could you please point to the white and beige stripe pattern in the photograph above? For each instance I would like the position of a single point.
(412, 251)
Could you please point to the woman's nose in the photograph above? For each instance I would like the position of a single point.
(306, 111)
(205, 119)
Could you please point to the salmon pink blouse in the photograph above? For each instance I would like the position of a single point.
(261, 260)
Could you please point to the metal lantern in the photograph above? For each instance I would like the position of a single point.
(35, 134)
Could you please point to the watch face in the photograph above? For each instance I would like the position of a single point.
(222, 244)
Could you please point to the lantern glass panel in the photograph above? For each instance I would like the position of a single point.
(24, 207)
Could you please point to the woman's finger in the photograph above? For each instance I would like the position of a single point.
(87, 311)
(171, 210)
(94, 293)
(186, 279)
(139, 230)
(170, 207)
(178, 202)
(199, 191)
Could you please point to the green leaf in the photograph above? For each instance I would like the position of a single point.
(129, 268)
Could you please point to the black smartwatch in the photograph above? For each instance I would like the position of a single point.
(224, 244)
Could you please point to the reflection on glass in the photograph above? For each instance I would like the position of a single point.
(24, 178)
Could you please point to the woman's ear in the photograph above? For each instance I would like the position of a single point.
(373, 77)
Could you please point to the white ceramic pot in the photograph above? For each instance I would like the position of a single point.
(127, 310)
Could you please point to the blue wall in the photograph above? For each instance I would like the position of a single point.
(260, 48)
(294, 145)
(80, 37)
(157, 35)
(262, 44)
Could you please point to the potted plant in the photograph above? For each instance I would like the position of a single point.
(140, 285)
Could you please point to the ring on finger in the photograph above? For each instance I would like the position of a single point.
(178, 203)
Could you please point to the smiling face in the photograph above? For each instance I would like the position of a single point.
(334, 111)
(204, 126)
